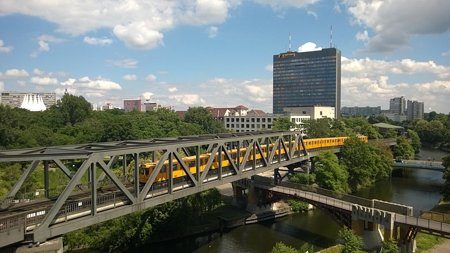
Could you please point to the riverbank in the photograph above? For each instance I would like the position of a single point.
(431, 243)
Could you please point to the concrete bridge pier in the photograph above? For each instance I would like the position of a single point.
(239, 195)
(407, 239)
(51, 246)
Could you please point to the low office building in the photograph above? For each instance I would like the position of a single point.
(360, 111)
(249, 123)
(314, 112)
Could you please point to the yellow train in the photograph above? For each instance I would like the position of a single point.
(147, 168)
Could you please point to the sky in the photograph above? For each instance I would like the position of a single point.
(219, 52)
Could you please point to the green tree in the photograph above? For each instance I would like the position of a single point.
(365, 162)
(352, 243)
(283, 123)
(303, 178)
(283, 248)
(72, 109)
(202, 117)
(390, 246)
(446, 161)
(330, 174)
(403, 148)
(415, 140)
(317, 128)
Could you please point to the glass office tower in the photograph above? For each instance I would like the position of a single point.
(307, 79)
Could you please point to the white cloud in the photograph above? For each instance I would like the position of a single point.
(97, 41)
(394, 22)
(369, 82)
(130, 77)
(309, 46)
(43, 80)
(405, 66)
(151, 78)
(269, 67)
(139, 35)
(138, 23)
(447, 53)
(44, 42)
(212, 31)
(362, 36)
(312, 13)
(284, 4)
(188, 99)
(4, 48)
(15, 73)
(127, 63)
(38, 72)
(97, 84)
(69, 82)
(147, 95)
(172, 89)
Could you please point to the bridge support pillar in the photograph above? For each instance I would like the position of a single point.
(51, 246)
(239, 196)
(407, 240)
(358, 227)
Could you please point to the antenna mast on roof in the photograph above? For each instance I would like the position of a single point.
(331, 36)
(289, 42)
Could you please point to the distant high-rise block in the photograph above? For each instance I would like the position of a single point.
(397, 105)
(307, 79)
(132, 105)
(414, 110)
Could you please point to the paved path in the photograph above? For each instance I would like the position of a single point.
(441, 248)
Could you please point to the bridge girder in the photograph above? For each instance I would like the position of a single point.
(217, 159)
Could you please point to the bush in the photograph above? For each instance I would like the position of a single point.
(283, 248)
(297, 206)
(352, 243)
(390, 246)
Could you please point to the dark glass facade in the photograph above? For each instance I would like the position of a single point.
(307, 79)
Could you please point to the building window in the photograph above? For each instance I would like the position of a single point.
(228, 120)
(320, 113)
(304, 112)
(269, 126)
(242, 125)
(269, 120)
(258, 120)
(232, 125)
(247, 120)
(248, 125)
(263, 119)
(253, 125)
(253, 119)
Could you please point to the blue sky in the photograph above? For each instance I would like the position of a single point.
(219, 52)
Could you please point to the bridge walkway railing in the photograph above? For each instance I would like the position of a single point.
(345, 202)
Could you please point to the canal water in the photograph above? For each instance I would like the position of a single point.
(417, 188)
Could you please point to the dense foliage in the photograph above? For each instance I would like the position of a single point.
(390, 246)
(297, 206)
(137, 229)
(283, 248)
(330, 174)
(283, 123)
(352, 243)
(341, 127)
(404, 149)
(365, 162)
(202, 117)
(433, 130)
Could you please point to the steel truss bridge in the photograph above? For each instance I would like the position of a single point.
(81, 201)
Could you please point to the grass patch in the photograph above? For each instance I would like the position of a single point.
(425, 242)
